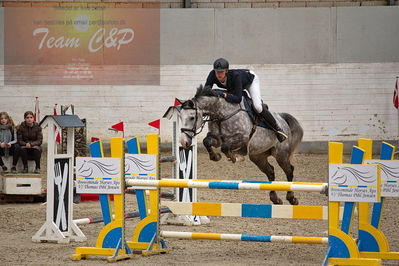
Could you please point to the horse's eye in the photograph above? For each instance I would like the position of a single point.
(192, 118)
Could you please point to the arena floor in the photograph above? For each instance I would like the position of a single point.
(18, 222)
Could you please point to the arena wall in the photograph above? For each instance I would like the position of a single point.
(332, 68)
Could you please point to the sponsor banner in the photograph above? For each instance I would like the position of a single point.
(389, 176)
(141, 167)
(354, 183)
(98, 175)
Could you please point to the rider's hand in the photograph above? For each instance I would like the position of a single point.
(219, 93)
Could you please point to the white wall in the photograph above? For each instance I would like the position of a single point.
(332, 68)
(332, 101)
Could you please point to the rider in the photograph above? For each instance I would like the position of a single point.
(237, 80)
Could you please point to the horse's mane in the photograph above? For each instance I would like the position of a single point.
(204, 91)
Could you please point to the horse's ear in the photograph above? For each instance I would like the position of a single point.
(189, 103)
(169, 113)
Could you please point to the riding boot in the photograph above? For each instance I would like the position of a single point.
(269, 119)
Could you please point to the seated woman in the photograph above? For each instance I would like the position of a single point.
(8, 141)
(30, 139)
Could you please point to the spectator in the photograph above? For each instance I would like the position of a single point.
(30, 139)
(8, 141)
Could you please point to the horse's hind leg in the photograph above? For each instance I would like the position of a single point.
(288, 168)
(261, 161)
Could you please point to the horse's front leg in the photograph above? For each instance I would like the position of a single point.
(212, 141)
(233, 143)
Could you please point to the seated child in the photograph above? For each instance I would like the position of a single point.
(8, 141)
(30, 139)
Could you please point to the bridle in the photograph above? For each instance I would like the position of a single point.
(195, 131)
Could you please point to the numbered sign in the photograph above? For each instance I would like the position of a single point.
(389, 176)
(354, 183)
(98, 175)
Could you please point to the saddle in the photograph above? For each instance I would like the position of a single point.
(253, 115)
(256, 118)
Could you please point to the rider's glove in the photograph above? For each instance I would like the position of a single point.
(219, 93)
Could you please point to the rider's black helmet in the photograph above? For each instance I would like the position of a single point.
(220, 64)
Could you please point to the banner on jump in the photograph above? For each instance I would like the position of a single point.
(98, 175)
(141, 167)
(354, 183)
(389, 176)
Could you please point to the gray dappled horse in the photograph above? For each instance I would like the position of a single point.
(231, 128)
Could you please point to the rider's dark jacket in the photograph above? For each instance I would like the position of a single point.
(237, 81)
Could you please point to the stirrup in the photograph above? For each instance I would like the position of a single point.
(281, 136)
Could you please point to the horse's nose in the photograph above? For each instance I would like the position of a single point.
(185, 144)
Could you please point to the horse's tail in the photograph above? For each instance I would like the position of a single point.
(296, 130)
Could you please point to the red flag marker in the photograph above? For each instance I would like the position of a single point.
(36, 115)
(118, 126)
(56, 129)
(177, 102)
(156, 124)
(395, 95)
(94, 139)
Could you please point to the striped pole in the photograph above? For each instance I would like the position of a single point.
(99, 219)
(228, 185)
(245, 237)
(254, 181)
(249, 210)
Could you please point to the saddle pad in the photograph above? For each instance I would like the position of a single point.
(253, 115)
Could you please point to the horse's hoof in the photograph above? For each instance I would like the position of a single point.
(240, 158)
(277, 201)
(294, 201)
(215, 157)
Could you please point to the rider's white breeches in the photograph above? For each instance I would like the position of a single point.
(254, 91)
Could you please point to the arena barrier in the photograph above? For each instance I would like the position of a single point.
(147, 234)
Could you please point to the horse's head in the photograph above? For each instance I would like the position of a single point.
(191, 113)
(192, 122)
